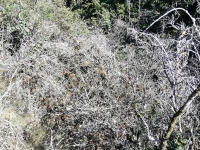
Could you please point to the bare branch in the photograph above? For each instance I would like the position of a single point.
(171, 126)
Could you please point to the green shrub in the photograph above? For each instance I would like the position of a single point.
(26, 15)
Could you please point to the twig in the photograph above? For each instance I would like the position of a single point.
(147, 128)
(9, 87)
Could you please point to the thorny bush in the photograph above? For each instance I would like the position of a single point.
(89, 92)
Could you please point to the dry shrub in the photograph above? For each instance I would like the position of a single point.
(89, 92)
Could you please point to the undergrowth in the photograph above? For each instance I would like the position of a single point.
(65, 87)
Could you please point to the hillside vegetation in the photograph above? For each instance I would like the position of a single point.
(72, 79)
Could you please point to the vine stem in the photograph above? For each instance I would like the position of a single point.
(193, 19)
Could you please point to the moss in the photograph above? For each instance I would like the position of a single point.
(25, 122)
(3, 84)
(37, 134)
(33, 131)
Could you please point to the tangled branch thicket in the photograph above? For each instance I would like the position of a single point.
(90, 92)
